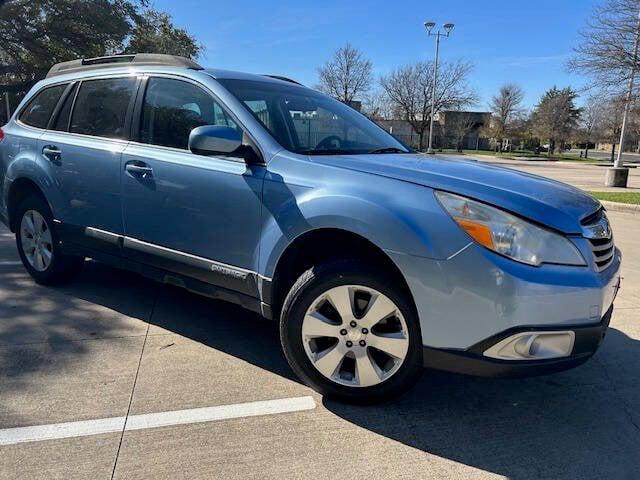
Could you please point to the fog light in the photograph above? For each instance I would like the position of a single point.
(533, 346)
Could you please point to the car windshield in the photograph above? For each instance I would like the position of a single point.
(309, 123)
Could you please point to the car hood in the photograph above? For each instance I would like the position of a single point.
(548, 202)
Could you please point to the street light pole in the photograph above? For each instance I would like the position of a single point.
(618, 175)
(447, 28)
(433, 93)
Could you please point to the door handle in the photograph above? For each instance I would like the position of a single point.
(51, 153)
(134, 169)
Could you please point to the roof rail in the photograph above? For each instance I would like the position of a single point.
(284, 79)
(85, 64)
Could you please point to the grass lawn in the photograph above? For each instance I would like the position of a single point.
(621, 197)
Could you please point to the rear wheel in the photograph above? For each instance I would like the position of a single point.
(349, 334)
(39, 246)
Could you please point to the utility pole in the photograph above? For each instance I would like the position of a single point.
(619, 174)
(447, 30)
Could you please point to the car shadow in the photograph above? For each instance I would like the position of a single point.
(576, 424)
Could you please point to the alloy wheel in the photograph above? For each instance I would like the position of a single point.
(36, 240)
(355, 336)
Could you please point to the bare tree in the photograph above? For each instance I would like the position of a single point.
(377, 106)
(506, 105)
(590, 122)
(409, 89)
(634, 126)
(347, 75)
(459, 125)
(611, 123)
(606, 51)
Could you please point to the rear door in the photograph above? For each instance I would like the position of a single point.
(194, 214)
(82, 151)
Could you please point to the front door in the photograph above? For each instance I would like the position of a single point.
(194, 214)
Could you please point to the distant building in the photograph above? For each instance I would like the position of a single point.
(461, 129)
(451, 129)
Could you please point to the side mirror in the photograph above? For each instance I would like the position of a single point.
(214, 140)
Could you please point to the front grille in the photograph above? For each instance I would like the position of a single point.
(603, 252)
(597, 230)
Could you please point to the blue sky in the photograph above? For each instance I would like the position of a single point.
(521, 41)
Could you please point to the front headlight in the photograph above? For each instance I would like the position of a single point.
(509, 235)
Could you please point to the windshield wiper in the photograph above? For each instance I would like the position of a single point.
(388, 150)
(329, 151)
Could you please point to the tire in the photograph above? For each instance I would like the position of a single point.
(311, 292)
(59, 268)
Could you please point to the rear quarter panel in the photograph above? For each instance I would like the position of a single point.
(18, 151)
(17, 158)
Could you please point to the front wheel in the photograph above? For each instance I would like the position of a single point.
(38, 244)
(349, 334)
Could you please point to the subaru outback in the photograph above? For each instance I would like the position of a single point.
(376, 260)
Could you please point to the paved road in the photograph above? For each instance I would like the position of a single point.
(585, 176)
(112, 345)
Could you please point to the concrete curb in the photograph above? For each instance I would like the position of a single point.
(620, 207)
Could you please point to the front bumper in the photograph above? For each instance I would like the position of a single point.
(472, 361)
(477, 294)
(476, 298)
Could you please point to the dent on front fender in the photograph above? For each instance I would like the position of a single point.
(394, 215)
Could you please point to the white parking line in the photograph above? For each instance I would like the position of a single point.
(54, 431)
(10, 263)
(11, 436)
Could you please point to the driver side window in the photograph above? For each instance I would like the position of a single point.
(322, 125)
(172, 108)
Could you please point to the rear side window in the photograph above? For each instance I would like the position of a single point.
(101, 107)
(39, 109)
(62, 121)
(172, 108)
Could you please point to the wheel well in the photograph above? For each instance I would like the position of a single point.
(20, 190)
(317, 246)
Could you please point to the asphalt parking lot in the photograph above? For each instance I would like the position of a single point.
(144, 363)
(586, 176)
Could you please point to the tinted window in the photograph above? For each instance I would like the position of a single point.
(173, 108)
(307, 122)
(41, 107)
(101, 107)
(62, 121)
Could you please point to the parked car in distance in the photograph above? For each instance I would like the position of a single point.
(376, 260)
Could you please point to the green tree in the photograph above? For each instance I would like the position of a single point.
(34, 34)
(555, 117)
(154, 33)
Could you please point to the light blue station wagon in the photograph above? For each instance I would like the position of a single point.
(376, 260)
